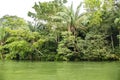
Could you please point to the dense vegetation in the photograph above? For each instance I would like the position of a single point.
(60, 33)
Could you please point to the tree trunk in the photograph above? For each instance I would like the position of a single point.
(112, 43)
(72, 30)
(119, 40)
(69, 29)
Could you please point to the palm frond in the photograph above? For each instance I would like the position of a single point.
(78, 10)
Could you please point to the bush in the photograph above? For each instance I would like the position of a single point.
(18, 49)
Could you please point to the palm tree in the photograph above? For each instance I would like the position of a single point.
(72, 19)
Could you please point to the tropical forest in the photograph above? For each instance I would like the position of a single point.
(62, 33)
(62, 40)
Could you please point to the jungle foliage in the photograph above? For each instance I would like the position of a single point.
(60, 33)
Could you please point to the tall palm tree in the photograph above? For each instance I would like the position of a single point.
(70, 17)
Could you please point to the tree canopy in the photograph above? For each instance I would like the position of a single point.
(60, 33)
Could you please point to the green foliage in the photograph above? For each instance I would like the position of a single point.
(69, 18)
(23, 44)
(18, 49)
(92, 5)
(19, 44)
(69, 47)
(62, 33)
(96, 18)
(48, 8)
(13, 22)
(23, 34)
(96, 48)
(2, 33)
(92, 48)
(46, 47)
(63, 49)
(1, 48)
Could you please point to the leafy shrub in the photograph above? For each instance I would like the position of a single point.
(18, 49)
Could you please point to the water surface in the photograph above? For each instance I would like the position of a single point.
(11, 70)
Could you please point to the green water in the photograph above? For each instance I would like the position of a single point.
(59, 70)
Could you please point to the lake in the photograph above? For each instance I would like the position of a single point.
(25, 70)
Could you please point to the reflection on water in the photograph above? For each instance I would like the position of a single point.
(10, 70)
(2, 68)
